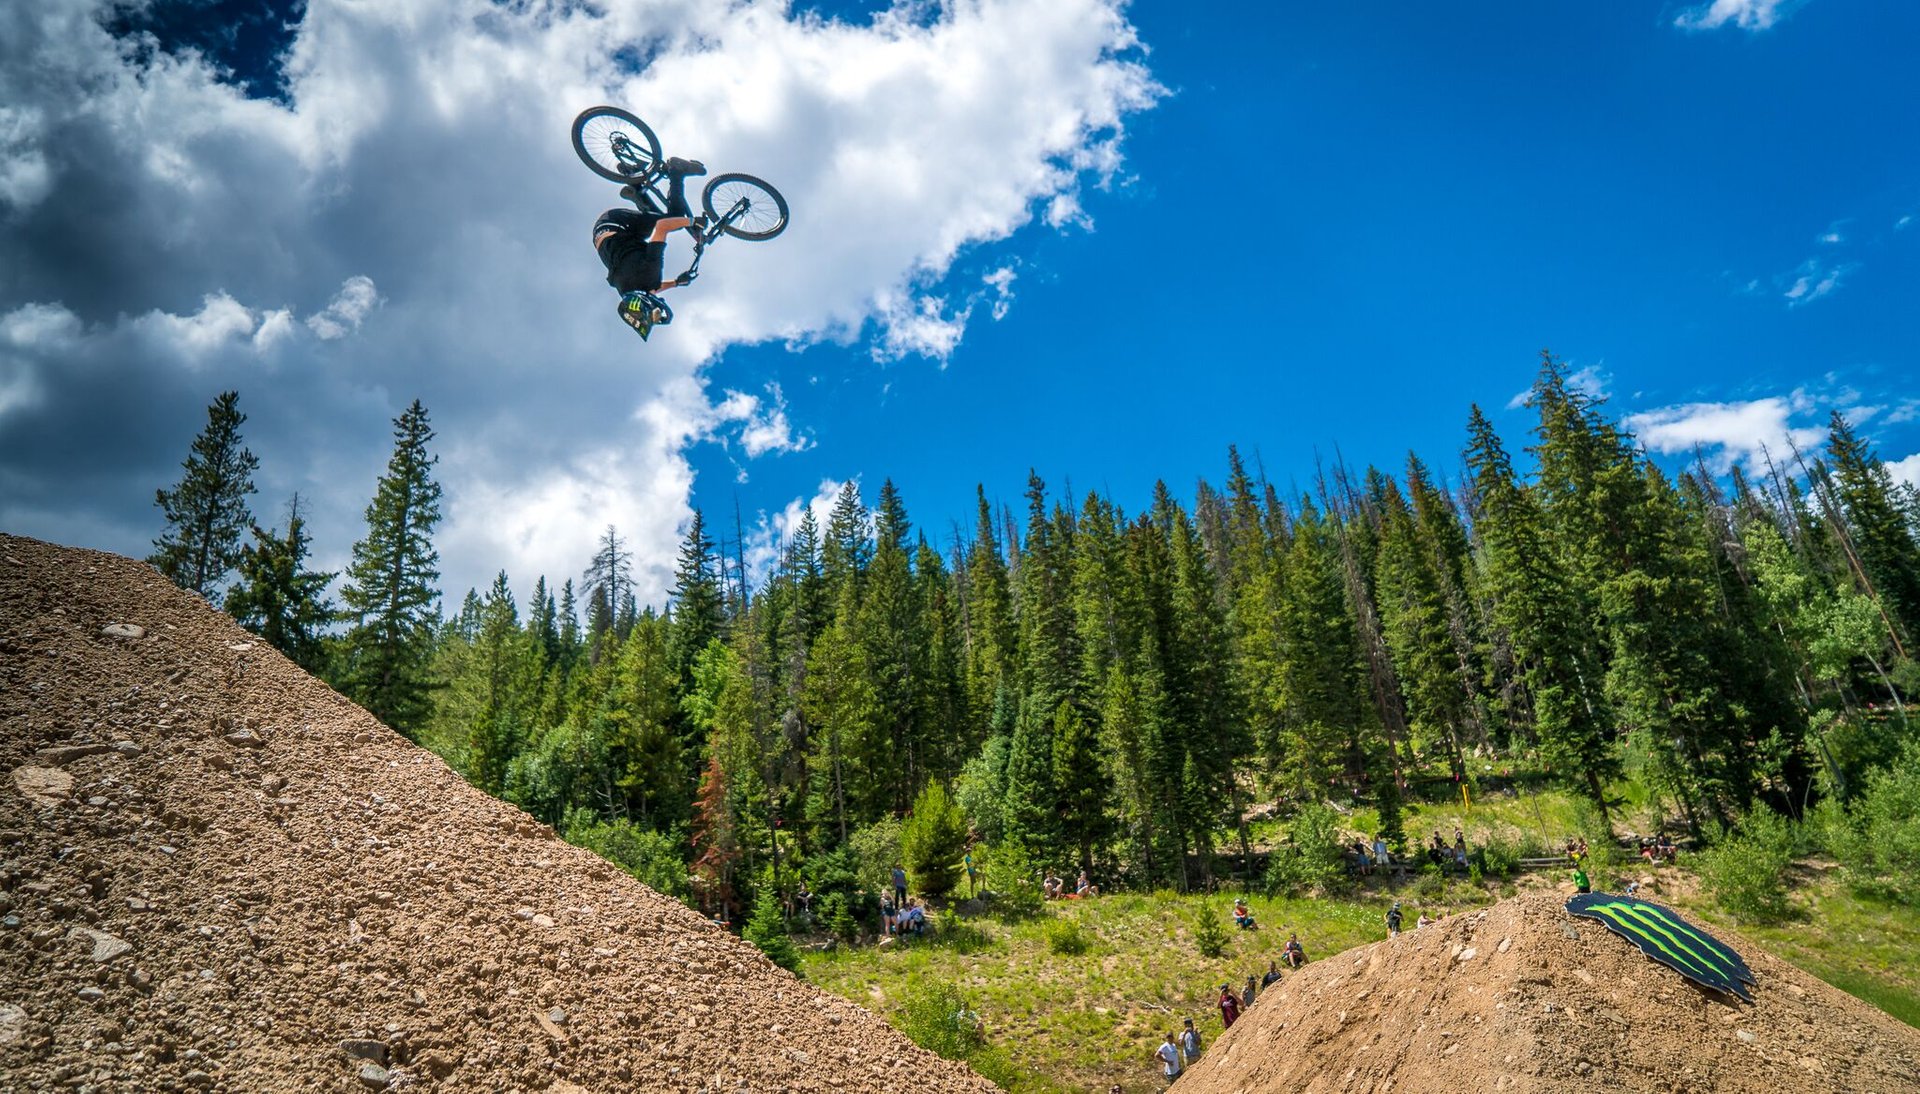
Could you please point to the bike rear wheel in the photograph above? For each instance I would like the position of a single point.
(617, 145)
(745, 207)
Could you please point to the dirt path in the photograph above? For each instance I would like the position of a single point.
(217, 874)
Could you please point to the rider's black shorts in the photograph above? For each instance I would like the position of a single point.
(632, 262)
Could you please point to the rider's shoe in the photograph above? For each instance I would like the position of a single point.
(685, 168)
(628, 193)
(698, 227)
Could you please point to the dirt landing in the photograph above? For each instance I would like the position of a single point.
(217, 874)
(1522, 997)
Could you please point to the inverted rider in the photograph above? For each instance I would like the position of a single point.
(632, 243)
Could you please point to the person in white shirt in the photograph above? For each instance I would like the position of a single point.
(1169, 1056)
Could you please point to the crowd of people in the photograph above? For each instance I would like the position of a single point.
(1179, 1050)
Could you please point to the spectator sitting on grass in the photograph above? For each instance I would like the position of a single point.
(1294, 954)
(1085, 887)
(1421, 922)
(1055, 889)
(1242, 917)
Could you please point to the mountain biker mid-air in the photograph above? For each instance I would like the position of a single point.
(633, 243)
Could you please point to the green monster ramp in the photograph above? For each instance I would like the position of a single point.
(1662, 935)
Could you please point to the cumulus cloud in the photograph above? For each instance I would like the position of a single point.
(1731, 432)
(1745, 14)
(349, 306)
(407, 220)
(1906, 470)
(770, 533)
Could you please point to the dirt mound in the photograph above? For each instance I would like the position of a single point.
(217, 874)
(1524, 997)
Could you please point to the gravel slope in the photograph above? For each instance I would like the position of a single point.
(218, 874)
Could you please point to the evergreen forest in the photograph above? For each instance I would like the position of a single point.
(1070, 685)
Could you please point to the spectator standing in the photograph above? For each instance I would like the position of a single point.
(1380, 856)
(899, 886)
(1393, 920)
(1273, 974)
(1580, 882)
(1247, 994)
(1229, 1005)
(1190, 1042)
(1169, 1056)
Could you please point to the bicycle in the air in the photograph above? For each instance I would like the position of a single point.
(616, 145)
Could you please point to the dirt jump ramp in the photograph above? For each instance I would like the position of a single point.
(217, 874)
(1522, 997)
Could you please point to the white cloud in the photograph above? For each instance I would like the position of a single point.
(1906, 470)
(343, 314)
(1814, 280)
(912, 324)
(769, 535)
(1745, 14)
(422, 147)
(1730, 432)
(1903, 222)
(1593, 381)
(1001, 282)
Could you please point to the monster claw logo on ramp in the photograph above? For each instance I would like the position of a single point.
(1662, 935)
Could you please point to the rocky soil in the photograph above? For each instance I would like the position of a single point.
(218, 874)
(1522, 997)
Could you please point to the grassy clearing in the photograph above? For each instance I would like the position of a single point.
(1066, 1021)
(1084, 1021)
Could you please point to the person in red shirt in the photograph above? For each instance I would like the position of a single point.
(1229, 1006)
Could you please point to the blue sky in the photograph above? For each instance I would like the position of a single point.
(1346, 223)
(1100, 240)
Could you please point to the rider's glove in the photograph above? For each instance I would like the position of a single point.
(685, 279)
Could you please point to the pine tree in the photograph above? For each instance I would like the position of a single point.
(390, 593)
(1534, 604)
(278, 598)
(1878, 531)
(608, 583)
(699, 614)
(206, 511)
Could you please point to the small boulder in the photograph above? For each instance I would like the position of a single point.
(43, 785)
(374, 1077)
(365, 1049)
(66, 754)
(124, 630)
(244, 738)
(105, 946)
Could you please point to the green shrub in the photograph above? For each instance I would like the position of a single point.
(1313, 858)
(1065, 937)
(840, 921)
(1878, 840)
(769, 932)
(653, 857)
(1432, 884)
(938, 1018)
(1746, 870)
(1500, 858)
(876, 848)
(1209, 933)
(1011, 880)
(933, 840)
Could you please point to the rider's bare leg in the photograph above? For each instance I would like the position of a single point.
(666, 226)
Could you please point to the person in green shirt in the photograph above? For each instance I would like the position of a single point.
(1580, 883)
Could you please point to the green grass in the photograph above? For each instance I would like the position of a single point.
(1082, 1021)
(1861, 945)
(1085, 1021)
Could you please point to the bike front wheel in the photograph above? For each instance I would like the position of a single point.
(745, 207)
(617, 145)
